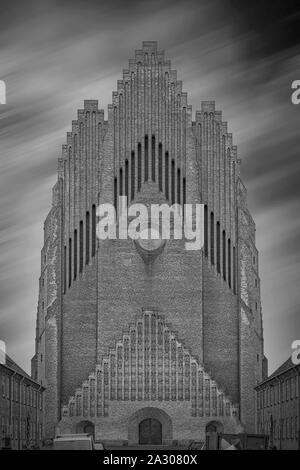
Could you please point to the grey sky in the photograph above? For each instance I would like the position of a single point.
(53, 55)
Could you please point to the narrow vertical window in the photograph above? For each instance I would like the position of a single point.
(153, 157)
(173, 182)
(116, 194)
(224, 254)
(229, 262)
(75, 143)
(75, 254)
(205, 230)
(139, 167)
(132, 175)
(234, 270)
(178, 186)
(93, 230)
(218, 248)
(126, 178)
(146, 158)
(65, 269)
(212, 238)
(81, 246)
(87, 238)
(70, 261)
(160, 168)
(167, 174)
(121, 182)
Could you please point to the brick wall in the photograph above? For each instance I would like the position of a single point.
(219, 322)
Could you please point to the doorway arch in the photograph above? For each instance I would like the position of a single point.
(213, 434)
(85, 427)
(150, 425)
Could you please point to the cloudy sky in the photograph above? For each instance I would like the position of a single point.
(55, 54)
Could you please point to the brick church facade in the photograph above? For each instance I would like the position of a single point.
(137, 346)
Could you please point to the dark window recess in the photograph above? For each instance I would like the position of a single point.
(153, 157)
(234, 270)
(75, 254)
(146, 158)
(70, 261)
(160, 168)
(116, 194)
(126, 178)
(93, 230)
(87, 238)
(218, 248)
(167, 174)
(224, 254)
(229, 262)
(139, 166)
(81, 246)
(75, 143)
(132, 175)
(173, 182)
(178, 186)
(212, 238)
(205, 230)
(121, 182)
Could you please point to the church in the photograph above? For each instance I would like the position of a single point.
(149, 343)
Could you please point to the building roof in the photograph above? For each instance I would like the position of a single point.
(11, 364)
(287, 365)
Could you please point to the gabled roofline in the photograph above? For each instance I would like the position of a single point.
(275, 376)
(19, 371)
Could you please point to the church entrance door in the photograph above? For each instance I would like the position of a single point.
(150, 432)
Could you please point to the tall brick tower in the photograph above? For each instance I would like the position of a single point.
(134, 346)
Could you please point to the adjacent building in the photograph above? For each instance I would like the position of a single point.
(21, 405)
(278, 407)
(148, 342)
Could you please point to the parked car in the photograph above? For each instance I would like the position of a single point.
(197, 445)
(245, 441)
(76, 442)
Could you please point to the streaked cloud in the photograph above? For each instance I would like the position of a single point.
(56, 54)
